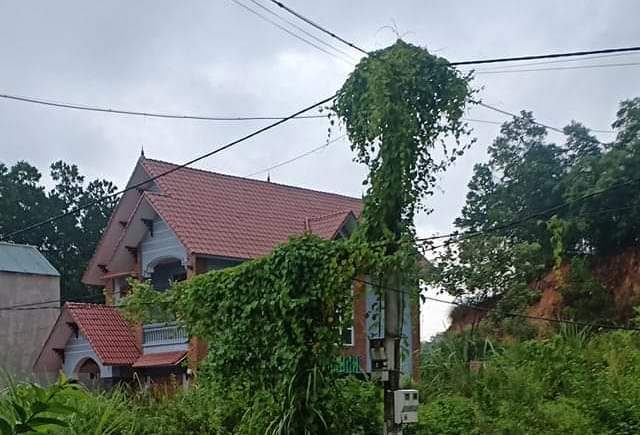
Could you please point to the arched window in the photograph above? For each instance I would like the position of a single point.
(88, 373)
(167, 272)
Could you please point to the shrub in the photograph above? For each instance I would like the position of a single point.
(575, 382)
(449, 416)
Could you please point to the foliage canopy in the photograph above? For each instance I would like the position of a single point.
(595, 185)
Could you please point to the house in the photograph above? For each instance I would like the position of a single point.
(189, 222)
(29, 305)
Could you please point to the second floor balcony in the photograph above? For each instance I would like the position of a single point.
(164, 334)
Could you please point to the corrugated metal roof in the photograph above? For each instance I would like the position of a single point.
(24, 259)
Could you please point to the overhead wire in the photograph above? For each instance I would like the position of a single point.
(169, 171)
(606, 51)
(297, 157)
(557, 68)
(540, 213)
(563, 60)
(468, 62)
(285, 119)
(507, 314)
(404, 292)
(295, 35)
(319, 27)
(301, 29)
(146, 114)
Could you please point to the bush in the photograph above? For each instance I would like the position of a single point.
(575, 382)
(450, 416)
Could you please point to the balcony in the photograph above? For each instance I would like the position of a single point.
(164, 334)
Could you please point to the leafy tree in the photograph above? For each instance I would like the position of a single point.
(591, 190)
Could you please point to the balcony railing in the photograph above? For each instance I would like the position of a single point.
(349, 365)
(164, 334)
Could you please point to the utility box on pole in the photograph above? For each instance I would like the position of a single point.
(379, 368)
(405, 406)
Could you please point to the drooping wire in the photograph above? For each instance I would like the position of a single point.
(169, 171)
(507, 314)
(298, 157)
(466, 62)
(538, 214)
(295, 35)
(301, 29)
(76, 106)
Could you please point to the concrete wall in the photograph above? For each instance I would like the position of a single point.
(22, 333)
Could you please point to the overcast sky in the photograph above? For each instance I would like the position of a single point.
(216, 58)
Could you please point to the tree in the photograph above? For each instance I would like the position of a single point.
(590, 188)
(68, 242)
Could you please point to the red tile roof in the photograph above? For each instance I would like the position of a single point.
(107, 332)
(327, 226)
(162, 359)
(222, 215)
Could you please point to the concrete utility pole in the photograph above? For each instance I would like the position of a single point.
(392, 336)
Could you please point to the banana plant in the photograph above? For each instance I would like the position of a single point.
(29, 408)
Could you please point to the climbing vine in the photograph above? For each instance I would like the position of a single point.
(274, 325)
(398, 106)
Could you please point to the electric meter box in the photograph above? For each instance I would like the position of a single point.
(405, 404)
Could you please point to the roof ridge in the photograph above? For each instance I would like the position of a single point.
(253, 180)
(323, 216)
(72, 304)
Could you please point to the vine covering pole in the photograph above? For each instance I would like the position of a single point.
(398, 105)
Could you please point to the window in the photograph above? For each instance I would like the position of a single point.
(120, 287)
(348, 336)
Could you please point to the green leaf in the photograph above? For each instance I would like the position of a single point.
(47, 421)
(5, 427)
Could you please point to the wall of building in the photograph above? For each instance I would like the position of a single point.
(163, 245)
(410, 341)
(79, 350)
(22, 333)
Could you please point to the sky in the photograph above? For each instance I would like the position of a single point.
(216, 58)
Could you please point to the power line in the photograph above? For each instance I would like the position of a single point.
(284, 29)
(608, 51)
(556, 129)
(325, 145)
(467, 62)
(468, 235)
(298, 157)
(169, 171)
(558, 68)
(504, 112)
(36, 305)
(319, 27)
(548, 56)
(508, 314)
(550, 62)
(76, 106)
(301, 29)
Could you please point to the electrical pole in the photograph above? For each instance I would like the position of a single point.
(392, 336)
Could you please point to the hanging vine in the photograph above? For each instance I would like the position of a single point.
(398, 106)
(274, 324)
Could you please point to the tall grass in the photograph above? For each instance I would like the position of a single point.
(575, 382)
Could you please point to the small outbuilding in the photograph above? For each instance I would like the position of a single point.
(29, 305)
